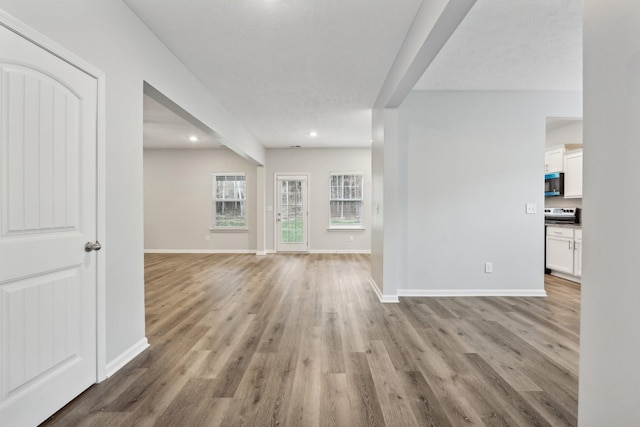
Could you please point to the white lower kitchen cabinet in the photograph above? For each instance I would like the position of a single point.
(564, 252)
(577, 253)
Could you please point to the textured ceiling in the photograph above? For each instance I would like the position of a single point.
(284, 68)
(512, 45)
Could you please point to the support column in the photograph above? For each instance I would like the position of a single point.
(260, 211)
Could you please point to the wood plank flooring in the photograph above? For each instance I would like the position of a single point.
(301, 340)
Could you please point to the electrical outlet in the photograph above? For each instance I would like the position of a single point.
(488, 267)
(531, 208)
(351, 238)
(207, 238)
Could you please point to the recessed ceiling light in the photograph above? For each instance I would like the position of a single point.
(313, 134)
(193, 138)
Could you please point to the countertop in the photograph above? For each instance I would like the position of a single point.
(578, 226)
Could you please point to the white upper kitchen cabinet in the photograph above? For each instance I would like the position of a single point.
(573, 175)
(554, 160)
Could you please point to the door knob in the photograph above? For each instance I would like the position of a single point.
(92, 246)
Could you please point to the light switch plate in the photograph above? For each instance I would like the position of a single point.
(531, 208)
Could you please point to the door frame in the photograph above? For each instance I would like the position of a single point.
(275, 205)
(35, 37)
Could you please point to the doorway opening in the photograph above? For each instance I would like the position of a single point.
(563, 203)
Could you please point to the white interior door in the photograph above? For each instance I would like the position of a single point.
(291, 213)
(47, 214)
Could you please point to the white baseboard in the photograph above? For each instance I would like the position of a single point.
(566, 276)
(340, 251)
(385, 299)
(324, 251)
(200, 251)
(472, 293)
(246, 251)
(119, 362)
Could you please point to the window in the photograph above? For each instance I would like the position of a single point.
(345, 200)
(229, 195)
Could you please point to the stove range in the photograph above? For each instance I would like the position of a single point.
(562, 215)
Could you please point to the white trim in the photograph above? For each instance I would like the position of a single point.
(302, 176)
(472, 293)
(127, 356)
(13, 24)
(219, 229)
(340, 251)
(566, 276)
(252, 251)
(347, 173)
(101, 234)
(18, 27)
(200, 251)
(229, 230)
(385, 299)
(375, 287)
(360, 226)
(324, 251)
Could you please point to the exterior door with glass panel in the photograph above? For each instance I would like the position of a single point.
(291, 213)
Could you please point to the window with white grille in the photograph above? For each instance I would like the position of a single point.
(229, 199)
(345, 200)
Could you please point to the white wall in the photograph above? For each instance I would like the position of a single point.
(389, 229)
(319, 163)
(610, 328)
(474, 159)
(570, 134)
(106, 34)
(434, 23)
(377, 196)
(178, 206)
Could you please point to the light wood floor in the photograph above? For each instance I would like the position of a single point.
(301, 340)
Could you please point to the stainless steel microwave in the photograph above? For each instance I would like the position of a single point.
(554, 184)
